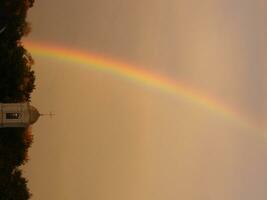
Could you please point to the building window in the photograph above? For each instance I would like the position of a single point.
(12, 115)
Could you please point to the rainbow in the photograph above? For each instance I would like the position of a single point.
(135, 74)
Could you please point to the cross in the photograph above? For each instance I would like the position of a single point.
(50, 115)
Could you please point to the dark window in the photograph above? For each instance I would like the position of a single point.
(12, 115)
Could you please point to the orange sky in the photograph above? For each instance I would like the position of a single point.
(112, 139)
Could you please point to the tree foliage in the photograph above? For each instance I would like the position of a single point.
(16, 85)
(16, 76)
(14, 187)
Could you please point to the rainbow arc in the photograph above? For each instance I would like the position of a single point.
(136, 74)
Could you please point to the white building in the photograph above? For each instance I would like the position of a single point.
(17, 115)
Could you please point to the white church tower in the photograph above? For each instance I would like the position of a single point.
(17, 115)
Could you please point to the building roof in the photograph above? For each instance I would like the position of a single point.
(34, 114)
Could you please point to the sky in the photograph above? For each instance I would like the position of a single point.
(117, 139)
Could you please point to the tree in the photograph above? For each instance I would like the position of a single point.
(16, 76)
(14, 187)
(13, 19)
(16, 85)
(14, 145)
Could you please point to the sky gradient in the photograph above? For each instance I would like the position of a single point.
(115, 139)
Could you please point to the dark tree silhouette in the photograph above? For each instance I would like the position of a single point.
(16, 77)
(16, 85)
(14, 187)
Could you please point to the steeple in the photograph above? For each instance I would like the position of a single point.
(34, 114)
(17, 115)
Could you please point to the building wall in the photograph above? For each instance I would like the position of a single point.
(21, 108)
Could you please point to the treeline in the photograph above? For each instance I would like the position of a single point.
(16, 85)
